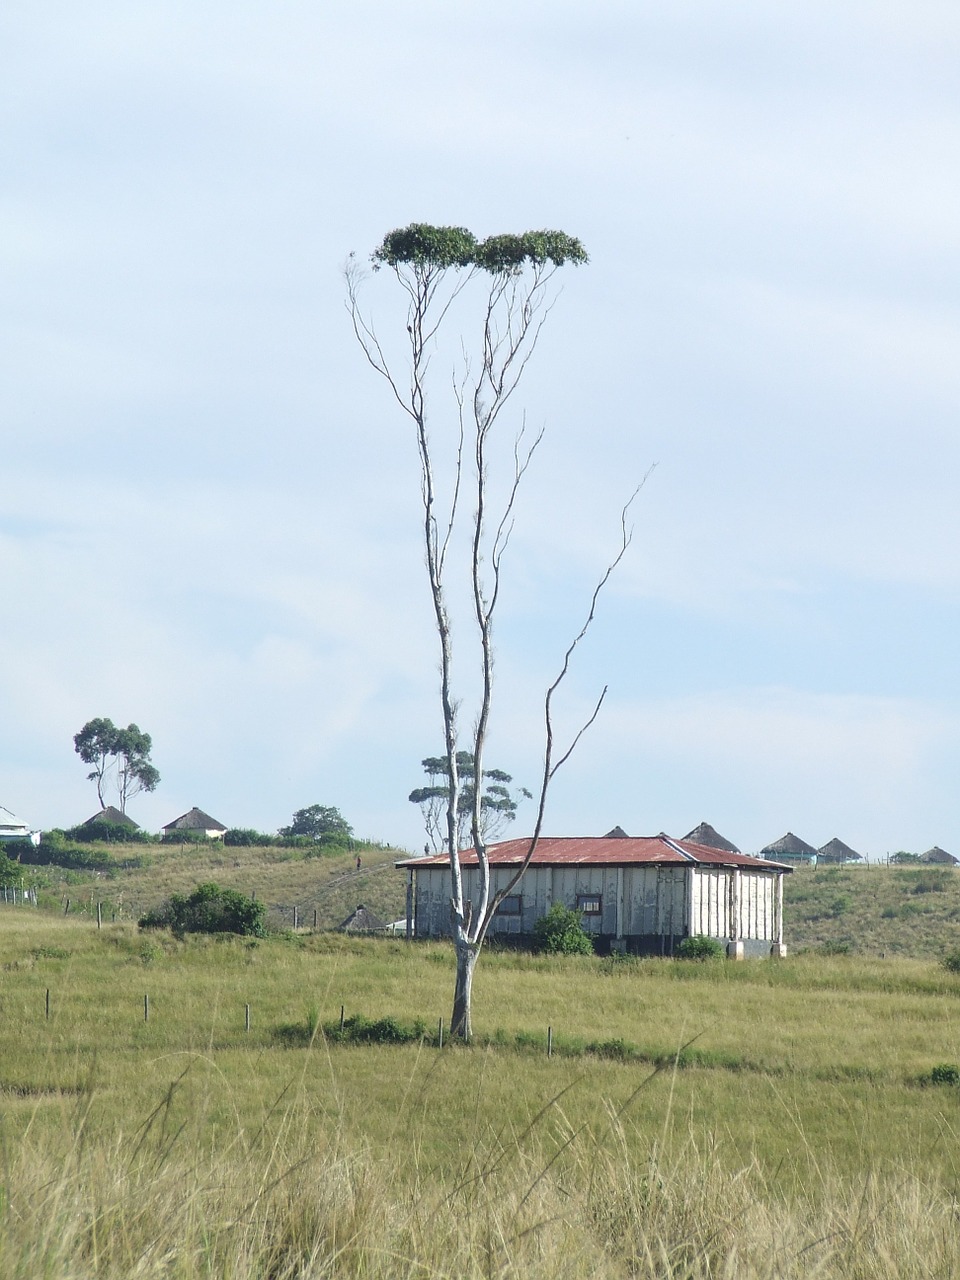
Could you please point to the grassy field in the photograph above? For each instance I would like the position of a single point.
(764, 1119)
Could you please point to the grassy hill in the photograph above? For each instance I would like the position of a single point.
(135, 878)
(866, 910)
(874, 910)
(859, 909)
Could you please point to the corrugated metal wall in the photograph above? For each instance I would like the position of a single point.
(635, 901)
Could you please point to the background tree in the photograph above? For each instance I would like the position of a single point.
(434, 266)
(319, 822)
(498, 804)
(120, 759)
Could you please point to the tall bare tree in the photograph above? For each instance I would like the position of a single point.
(434, 266)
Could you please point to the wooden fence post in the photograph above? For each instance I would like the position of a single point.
(146, 1008)
(440, 1033)
(99, 915)
(549, 1042)
(48, 1004)
(246, 1017)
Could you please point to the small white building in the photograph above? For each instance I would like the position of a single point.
(12, 829)
(641, 894)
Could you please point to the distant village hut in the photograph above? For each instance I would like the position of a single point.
(939, 856)
(194, 823)
(108, 816)
(363, 920)
(706, 835)
(640, 894)
(790, 849)
(837, 851)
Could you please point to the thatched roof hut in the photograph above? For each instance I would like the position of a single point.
(195, 822)
(706, 835)
(789, 848)
(837, 851)
(938, 855)
(114, 817)
(362, 920)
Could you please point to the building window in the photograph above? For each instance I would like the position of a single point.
(511, 905)
(591, 904)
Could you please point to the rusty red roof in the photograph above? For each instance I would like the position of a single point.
(601, 851)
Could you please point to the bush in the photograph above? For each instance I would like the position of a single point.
(238, 837)
(388, 1030)
(932, 882)
(561, 932)
(945, 1073)
(105, 833)
(951, 962)
(54, 850)
(11, 872)
(209, 909)
(701, 948)
(186, 837)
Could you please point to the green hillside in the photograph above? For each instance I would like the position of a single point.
(874, 910)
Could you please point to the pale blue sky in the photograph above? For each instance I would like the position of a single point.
(208, 510)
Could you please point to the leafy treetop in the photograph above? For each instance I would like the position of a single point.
(427, 247)
(319, 822)
(498, 803)
(124, 753)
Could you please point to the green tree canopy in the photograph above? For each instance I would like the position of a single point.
(120, 759)
(319, 822)
(498, 803)
(428, 249)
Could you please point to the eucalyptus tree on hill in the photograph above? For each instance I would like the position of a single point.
(498, 800)
(120, 758)
(470, 477)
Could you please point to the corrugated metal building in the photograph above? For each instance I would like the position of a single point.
(642, 894)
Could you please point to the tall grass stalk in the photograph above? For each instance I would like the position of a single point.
(599, 1202)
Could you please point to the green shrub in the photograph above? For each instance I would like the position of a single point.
(951, 962)
(106, 833)
(186, 837)
(561, 932)
(932, 882)
(361, 1030)
(619, 1049)
(835, 949)
(945, 1073)
(209, 909)
(701, 948)
(841, 904)
(238, 837)
(54, 850)
(11, 872)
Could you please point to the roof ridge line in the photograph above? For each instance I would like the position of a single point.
(687, 857)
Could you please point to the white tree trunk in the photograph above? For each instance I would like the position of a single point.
(460, 1023)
